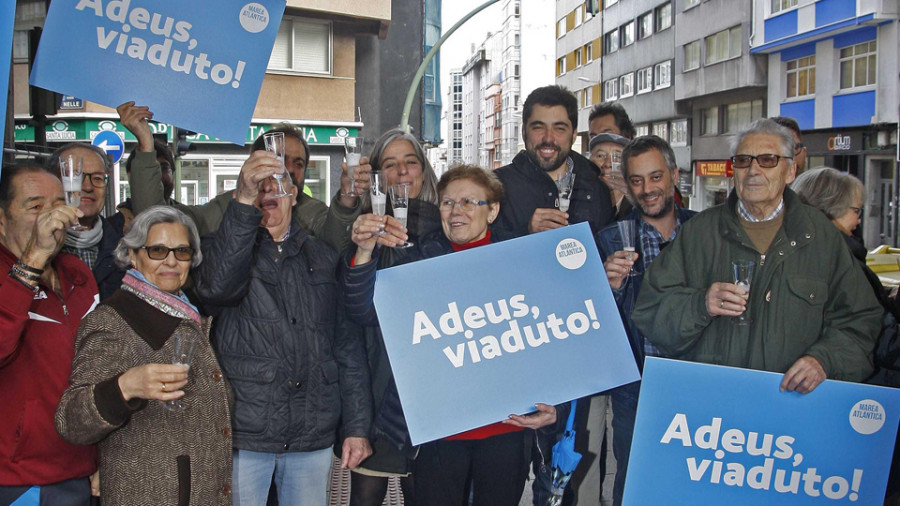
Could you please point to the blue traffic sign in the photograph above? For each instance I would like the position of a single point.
(111, 143)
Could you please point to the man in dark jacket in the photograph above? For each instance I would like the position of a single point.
(296, 364)
(42, 301)
(650, 174)
(531, 203)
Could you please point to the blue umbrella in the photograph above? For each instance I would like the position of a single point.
(565, 459)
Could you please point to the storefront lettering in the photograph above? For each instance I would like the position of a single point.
(839, 143)
(714, 168)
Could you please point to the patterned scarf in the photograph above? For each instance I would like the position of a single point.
(176, 305)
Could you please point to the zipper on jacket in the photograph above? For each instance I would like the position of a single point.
(762, 259)
(65, 309)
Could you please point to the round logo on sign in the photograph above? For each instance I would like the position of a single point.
(867, 417)
(342, 132)
(254, 17)
(59, 126)
(570, 253)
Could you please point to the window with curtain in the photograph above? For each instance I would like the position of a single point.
(302, 45)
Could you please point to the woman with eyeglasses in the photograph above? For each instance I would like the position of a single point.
(493, 459)
(124, 377)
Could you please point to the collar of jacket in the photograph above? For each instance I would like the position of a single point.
(154, 326)
(581, 163)
(798, 230)
(69, 276)
(290, 247)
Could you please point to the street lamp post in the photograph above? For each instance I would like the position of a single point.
(410, 95)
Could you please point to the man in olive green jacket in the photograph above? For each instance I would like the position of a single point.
(329, 224)
(812, 314)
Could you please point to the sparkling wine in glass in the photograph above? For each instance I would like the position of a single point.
(183, 353)
(564, 184)
(71, 173)
(627, 231)
(743, 275)
(353, 147)
(275, 143)
(378, 197)
(400, 205)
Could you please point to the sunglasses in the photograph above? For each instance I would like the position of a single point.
(182, 253)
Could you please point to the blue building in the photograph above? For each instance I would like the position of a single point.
(833, 66)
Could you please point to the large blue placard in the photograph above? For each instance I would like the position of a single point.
(721, 435)
(198, 64)
(478, 335)
(7, 21)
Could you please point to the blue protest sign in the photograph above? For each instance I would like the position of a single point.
(7, 20)
(721, 435)
(499, 328)
(198, 64)
(110, 143)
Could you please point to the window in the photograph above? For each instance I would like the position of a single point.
(611, 42)
(587, 97)
(610, 89)
(302, 45)
(780, 5)
(690, 3)
(645, 25)
(560, 28)
(609, 3)
(561, 66)
(858, 65)
(723, 45)
(663, 74)
(578, 11)
(626, 35)
(692, 55)
(626, 85)
(709, 121)
(678, 133)
(641, 130)
(517, 40)
(588, 53)
(645, 80)
(578, 57)
(661, 130)
(516, 70)
(801, 76)
(663, 16)
(737, 116)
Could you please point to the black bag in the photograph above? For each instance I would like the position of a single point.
(887, 354)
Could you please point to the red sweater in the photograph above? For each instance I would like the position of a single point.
(37, 344)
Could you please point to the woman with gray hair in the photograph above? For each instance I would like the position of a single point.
(163, 429)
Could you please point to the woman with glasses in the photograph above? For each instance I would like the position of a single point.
(493, 459)
(124, 377)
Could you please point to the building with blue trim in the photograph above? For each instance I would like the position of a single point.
(833, 66)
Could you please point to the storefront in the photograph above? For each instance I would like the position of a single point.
(211, 166)
(869, 154)
(712, 183)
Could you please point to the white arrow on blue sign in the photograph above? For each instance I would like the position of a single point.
(111, 143)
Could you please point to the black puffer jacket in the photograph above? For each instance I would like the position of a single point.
(296, 364)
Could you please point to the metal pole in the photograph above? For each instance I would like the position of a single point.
(410, 95)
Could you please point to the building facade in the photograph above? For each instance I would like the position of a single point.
(833, 67)
(324, 76)
(455, 118)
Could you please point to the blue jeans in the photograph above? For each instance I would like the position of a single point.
(624, 407)
(301, 478)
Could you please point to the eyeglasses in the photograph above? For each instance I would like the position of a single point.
(798, 147)
(765, 161)
(157, 252)
(857, 210)
(97, 180)
(467, 204)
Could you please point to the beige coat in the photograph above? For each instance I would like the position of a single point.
(148, 455)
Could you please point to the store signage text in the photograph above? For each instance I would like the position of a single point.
(839, 143)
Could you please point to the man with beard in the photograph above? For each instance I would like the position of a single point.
(531, 204)
(648, 166)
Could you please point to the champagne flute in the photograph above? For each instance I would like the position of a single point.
(564, 184)
(71, 173)
(626, 230)
(183, 353)
(275, 143)
(378, 197)
(400, 204)
(743, 274)
(353, 153)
